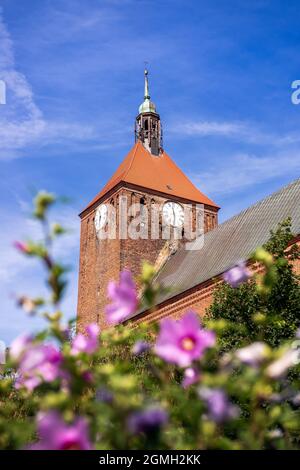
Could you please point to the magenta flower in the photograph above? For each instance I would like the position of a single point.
(55, 434)
(219, 407)
(140, 347)
(181, 342)
(87, 343)
(191, 376)
(19, 346)
(147, 421)
(124, 298)
(237, 275)
(38, 363)
(22, 247)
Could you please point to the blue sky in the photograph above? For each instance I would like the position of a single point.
(221, 75)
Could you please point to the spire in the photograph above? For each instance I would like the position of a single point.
(147, 124)
(147, 96)
(147, 106)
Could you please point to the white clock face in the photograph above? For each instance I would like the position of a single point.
(173, 214)
(101, 217)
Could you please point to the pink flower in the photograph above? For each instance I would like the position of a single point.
(237, 275)
(87, 343)
(181, 342)
(55, 434)
(38, 363)
(191, 376)
(22, 247)
(123, 297)
(19, 345)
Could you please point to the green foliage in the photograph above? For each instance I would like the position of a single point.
(109, 383)
(267, 307)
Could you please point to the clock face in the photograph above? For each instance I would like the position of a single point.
(101, 217)
(173, 214)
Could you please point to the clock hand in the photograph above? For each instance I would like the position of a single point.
(174, 214)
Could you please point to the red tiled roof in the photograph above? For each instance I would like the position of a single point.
(158, 173)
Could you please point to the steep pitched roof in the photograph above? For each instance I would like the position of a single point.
(230, 242)
(160, 174)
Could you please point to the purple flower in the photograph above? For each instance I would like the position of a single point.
(19, 345)
(147, 421)
(22, 247)
(55, 434)
(254, 354)
(104, 395)
(237, 275)
(140, 347)
(87, 343)
(180, 342)
(278, 368)
(219, 407)
(191, 375)
(39, 363)
(123, 297)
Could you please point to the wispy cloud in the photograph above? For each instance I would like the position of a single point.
(205, 128)
(21, 121)
(239, 131)
(242, 171)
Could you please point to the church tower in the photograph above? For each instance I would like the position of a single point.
(147, 124)
(149, 185)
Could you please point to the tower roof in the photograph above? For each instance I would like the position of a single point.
(161, 174)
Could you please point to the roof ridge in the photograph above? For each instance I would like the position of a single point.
(187, 178)
(131, 162)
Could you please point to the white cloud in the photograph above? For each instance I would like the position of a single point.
(244, 170)
(204, 128)
(21, 121)
(240, 131)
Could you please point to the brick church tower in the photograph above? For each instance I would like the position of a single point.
(146, 179)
